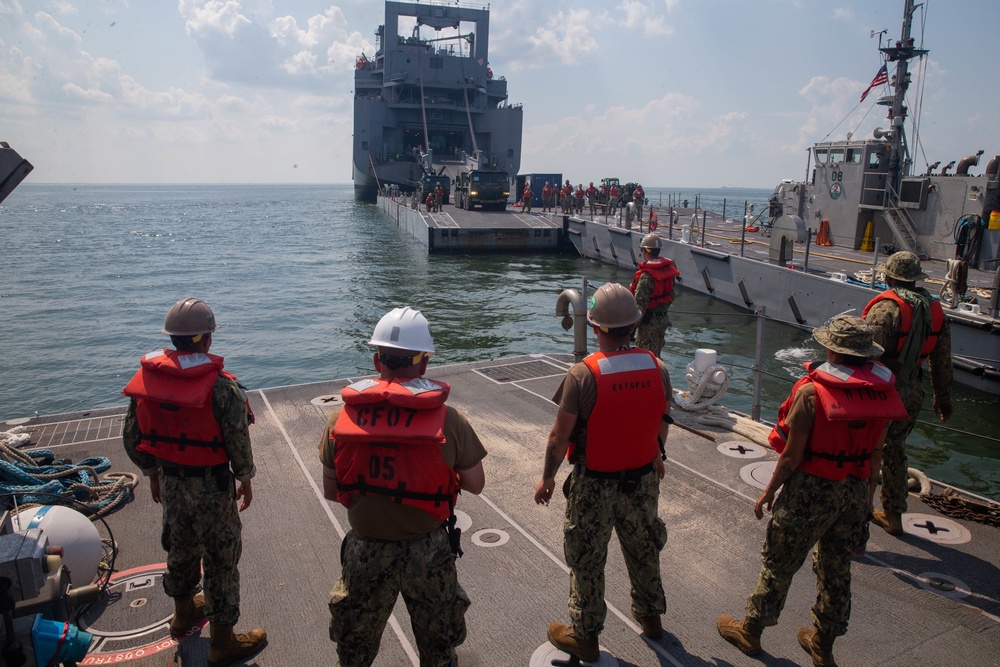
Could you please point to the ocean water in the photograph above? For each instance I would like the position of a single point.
(299, 275)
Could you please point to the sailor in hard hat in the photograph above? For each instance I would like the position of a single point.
(653, 287)
(613, 418)
(911, 326)
(187, 428)
(829, 436)
(396, 456)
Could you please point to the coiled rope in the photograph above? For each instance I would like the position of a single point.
(703, 390)
(35, 477)
(733, 421)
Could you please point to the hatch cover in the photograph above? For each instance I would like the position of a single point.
(522, 370)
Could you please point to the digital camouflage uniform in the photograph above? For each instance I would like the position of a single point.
(885, 319)
(653, 327)
(594, 507)
(201, 524)
(376, 572)
(812, 510)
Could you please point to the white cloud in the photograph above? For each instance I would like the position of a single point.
(843, 13)
(638, 15)
(566, 38)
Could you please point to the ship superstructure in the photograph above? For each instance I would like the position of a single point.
(428, 99)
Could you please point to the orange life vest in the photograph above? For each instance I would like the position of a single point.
(663, 272)
(173, 397)
(388, 442)
(852, 406)
(622, 429)
(547, 190)
(906, 322)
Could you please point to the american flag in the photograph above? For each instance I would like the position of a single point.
(880, 78)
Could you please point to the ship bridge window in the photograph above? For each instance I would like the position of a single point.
(854, 155)
(874, 160)
(836, 155)
(821, 156)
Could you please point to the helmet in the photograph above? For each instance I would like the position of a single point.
(189, 317)
(613, 306)
(403, 329)
(649, 241)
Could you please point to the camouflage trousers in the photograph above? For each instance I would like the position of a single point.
(649, 335)
(202, 529)
(374, 573)
(594, 507)
(894, 463)
(812, 511)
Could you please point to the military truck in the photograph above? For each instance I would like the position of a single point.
(428, 183)
(488, 189)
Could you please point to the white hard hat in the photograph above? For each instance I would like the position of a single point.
(403, 329)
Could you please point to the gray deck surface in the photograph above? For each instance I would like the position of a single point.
(517, 578)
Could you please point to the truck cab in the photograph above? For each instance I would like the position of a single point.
(488, 189)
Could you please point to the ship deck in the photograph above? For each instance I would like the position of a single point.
(930, 597)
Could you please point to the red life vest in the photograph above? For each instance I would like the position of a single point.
(638, 195)
(388, 442)
(614, 191)
(852, 406)
(906, 317)
(173, 397)
(578, 193)
(622, 429)
(663, 272)
(547, 190)
(565, 191)
(591, 191)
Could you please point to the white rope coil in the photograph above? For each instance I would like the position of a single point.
(749, 429)
(703, 389)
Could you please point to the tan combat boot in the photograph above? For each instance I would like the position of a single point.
(891, 522)
(744, 635)
(562, 638)
(818, 645)
(226, 647)
(187, 611)
(651, 625)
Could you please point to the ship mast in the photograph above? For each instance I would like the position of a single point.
(900, 161)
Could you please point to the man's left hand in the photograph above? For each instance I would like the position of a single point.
(543, 492)
(244, 490)
(943, 409)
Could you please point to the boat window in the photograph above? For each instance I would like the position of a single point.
(874, 159)
(821, 156)
(854, 155)
(836, 155)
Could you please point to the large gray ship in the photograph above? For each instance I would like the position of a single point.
(428, 101)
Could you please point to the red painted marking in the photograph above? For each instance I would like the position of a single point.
(155, 647)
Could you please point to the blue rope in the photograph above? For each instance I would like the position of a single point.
(39, 483)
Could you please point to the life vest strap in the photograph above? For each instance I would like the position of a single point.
(840, 459)
(153, 438)
(397, 494)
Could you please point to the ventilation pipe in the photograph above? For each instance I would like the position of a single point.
(966, 162)
(577, 321)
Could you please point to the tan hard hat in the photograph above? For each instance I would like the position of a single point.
(613, 306)
(651, 240)
(189, 317)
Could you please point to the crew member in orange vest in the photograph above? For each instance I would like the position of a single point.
(612, 423)
(592, 199)
(653, 287)
(911, 326)
(546, 197)
(526, 198)
(396, 456)
(829, 436)
(187, 428)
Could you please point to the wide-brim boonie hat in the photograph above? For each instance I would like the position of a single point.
(903, 265)
(848, 334)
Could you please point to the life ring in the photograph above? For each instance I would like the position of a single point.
(653, 222)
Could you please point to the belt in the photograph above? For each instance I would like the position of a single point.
(634, 473)
(198, 472)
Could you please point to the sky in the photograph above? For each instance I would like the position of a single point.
(705, 93)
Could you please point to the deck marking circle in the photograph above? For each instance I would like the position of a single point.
(17, 421)
(546, 653)
(490, 537)
(463, 521)
(944, 585)
(936, 529)
(741, 449)
(758, 474)
(328, 401)
(112, 645)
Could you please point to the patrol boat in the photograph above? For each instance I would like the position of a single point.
(865, 190)
(428, 99)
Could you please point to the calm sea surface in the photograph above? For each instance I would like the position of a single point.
(298, 276)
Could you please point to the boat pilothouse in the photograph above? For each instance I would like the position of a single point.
(867, 190)
(429, 97)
